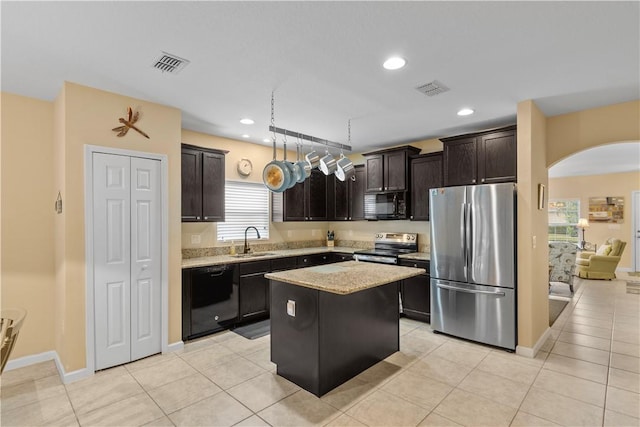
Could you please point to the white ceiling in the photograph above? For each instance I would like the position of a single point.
(612, 158)
(323, 60)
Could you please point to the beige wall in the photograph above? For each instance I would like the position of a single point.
(28, 195)
(89, 116)
(570, 133)
(614, 184)
(533, 307)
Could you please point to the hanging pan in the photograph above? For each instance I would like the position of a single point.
(304, 166)
(276, 175)
(328, 164)
(345, 169)
(294, 171)
(313, 158)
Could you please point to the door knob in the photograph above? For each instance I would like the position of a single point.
(145, 266)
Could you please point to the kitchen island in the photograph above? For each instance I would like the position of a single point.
(331, 322)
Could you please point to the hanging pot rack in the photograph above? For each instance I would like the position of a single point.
(287, 132)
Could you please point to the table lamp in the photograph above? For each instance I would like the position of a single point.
(582, 224)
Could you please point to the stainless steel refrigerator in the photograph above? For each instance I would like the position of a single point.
(473, 262)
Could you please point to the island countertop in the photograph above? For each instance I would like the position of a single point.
(345, 278)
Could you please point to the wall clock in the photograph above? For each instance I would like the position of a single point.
(245, 167)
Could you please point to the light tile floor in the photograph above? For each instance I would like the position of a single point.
(587, 374)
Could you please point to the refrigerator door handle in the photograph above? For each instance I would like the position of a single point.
(463, 223)
(470, 291)
(469, 238)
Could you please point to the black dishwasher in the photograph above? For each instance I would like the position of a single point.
(209, 300)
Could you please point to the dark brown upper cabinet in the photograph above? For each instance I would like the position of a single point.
(480, 158)
(426, 173)
(203, 179)
(388, 170)
(348, 197)
(306, 201)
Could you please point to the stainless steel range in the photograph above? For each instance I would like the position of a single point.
(387, 247)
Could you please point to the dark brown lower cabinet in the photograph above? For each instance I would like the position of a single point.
(341, 257)
(415, 292)
(315, 259)
(254, 290)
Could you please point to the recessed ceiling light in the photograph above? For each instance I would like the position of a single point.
(266, 140)
(394, 63)
(246, 136)
(465, 112)
(247, 121)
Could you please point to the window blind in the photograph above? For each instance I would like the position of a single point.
(246, 204)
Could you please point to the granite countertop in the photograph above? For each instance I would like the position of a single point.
(418, 256)
(345, 277)
(228, 259)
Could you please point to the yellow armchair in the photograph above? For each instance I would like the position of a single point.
(601, 264)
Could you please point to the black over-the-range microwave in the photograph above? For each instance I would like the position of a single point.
(385, 205)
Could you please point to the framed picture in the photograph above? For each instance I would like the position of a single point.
(540, 196)
(606, 209)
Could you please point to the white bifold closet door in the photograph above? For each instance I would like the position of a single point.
(127, 258)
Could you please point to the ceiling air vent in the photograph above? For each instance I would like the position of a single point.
(168, 63)
(433, 88)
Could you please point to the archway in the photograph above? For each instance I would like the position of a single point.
(609, 173)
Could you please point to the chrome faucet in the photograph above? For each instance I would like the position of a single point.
(246, 244)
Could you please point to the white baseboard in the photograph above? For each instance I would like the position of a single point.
(179, 345)
(32, 359)
(66, 377)
(531, 352)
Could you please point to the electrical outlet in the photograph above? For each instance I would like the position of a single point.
(195, 239)
(291, 308)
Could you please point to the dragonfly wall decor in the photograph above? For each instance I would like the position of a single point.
(128, 123)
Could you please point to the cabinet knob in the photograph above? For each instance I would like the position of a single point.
(197, 217)
(411, 217)
(473, 181)
(206, 217)
(482, 179)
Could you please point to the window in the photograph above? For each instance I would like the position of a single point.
(246, 204)
(563, 218)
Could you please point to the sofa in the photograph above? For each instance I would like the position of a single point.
(602, 263)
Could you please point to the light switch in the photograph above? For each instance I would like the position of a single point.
(291, 308)
(534, 242)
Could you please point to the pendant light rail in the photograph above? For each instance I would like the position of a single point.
(293, 134)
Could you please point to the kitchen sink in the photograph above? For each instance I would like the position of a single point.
(252, 255)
